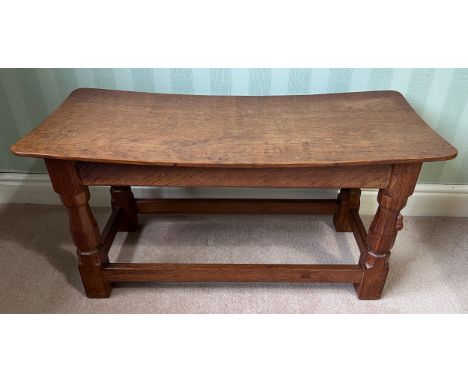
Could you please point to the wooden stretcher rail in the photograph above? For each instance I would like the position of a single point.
(230, 206)
(110, 229)
(359, 230)
(118, 272)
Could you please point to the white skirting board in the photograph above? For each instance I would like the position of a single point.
(427, 200)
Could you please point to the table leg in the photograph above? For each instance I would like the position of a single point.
(84, 229)
(122, 196)
(348, 198)
(384, 228)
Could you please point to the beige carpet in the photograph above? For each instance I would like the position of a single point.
(38, 273)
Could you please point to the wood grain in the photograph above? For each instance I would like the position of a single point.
(122, 174)
(233, 272)
(98, 125)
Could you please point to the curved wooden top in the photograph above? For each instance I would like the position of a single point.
(223, 131)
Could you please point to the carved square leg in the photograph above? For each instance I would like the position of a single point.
(383, 230)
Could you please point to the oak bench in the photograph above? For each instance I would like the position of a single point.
(121, 139)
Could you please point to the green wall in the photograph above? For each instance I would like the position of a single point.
(440, 96)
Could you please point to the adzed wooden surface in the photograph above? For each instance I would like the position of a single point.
(98, 125)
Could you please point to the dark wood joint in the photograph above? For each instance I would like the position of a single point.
(348, 199)
(122, 197)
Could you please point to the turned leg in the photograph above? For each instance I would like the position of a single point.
(348, 198)
(122, 196)
(384, 228)
(84, 229)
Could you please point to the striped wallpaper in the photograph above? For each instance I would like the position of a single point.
(440, 96)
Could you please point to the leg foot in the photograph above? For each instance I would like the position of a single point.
(375, 275)
(92, 276)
